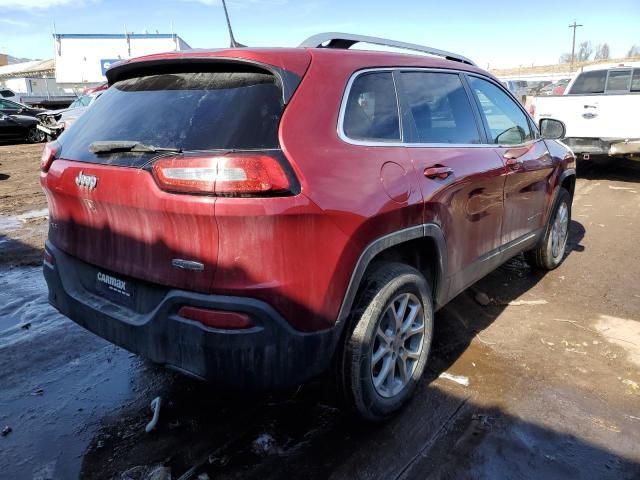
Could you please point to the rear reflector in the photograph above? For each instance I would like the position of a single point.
(217, 318)
(48, 259)
(222, 175)
(48, 154)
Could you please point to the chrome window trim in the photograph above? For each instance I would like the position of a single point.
(343, 107)
(381, 143)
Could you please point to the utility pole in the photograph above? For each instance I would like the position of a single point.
(573, 45)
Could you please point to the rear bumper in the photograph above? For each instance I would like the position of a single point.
(598, 146)
(271, 354)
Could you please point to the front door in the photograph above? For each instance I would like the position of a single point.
(9, 129)
(526, 157)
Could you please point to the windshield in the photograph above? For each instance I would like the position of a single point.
(82, 101)
(187, 111)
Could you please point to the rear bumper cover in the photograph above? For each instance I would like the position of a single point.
(601, 146)
(271, 354)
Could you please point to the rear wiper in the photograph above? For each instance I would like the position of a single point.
(112, 146)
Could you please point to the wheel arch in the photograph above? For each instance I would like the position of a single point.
(567, 181)
(420, 246)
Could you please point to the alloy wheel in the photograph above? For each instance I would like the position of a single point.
(560, 230)
(397, 345)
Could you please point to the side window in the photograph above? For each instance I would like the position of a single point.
(508, 125)
(589, 82)
(372, 108)
(440, 107)
(635, 81)
(619, 81)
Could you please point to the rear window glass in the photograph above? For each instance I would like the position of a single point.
(619, 81)
(372, 109)
(190, 111)
(589, 82)
(440, 107)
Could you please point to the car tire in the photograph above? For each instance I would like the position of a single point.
(549, 253)
(391, 328)
(34, 135)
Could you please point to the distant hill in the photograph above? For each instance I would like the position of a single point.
(17, 60)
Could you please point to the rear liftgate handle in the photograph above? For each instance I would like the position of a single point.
(438, 171)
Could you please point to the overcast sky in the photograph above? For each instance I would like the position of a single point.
(502, 33)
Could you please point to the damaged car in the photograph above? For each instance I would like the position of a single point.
(54, 122)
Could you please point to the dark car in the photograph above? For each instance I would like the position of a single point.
(9, 107)
(256, 217)
(19, 128)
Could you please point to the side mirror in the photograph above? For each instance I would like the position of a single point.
(552, 129)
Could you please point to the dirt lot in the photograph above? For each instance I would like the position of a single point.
(23, 205)
(552, 364)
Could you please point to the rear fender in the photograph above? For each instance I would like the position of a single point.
(391, 240)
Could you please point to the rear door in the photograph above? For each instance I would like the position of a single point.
(599, 104)
(461, 178)
(529, 165)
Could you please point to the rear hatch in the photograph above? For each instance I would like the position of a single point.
(111, 208)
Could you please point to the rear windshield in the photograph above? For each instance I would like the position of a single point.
(189, 111)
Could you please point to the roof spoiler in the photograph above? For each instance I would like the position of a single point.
(347, 40)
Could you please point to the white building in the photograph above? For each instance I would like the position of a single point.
(82, 59)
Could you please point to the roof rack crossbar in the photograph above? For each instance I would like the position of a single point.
(347, 40)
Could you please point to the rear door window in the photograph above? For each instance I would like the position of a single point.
(189, 111)
(508, 124)
(371, 112)
(589, 83)
(440, 108)
(619, 81)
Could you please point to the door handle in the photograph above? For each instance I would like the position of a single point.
(513, 163)
(438, 172)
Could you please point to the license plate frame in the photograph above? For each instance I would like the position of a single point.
(116, 289)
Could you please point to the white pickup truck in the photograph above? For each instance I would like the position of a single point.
(601, 111)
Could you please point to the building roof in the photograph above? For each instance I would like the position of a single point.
(32, 69)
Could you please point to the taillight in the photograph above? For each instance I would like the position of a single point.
(48, 155)
(217, 318)
(245, 174)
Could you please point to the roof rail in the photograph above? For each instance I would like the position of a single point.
(347, 40)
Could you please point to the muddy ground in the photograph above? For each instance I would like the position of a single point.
(23, 206)
(553, 369)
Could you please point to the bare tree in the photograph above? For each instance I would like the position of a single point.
(584, 51)
(634, 51)
(565, 58)
(602, 52)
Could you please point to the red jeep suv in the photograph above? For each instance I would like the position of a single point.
(255, 217)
